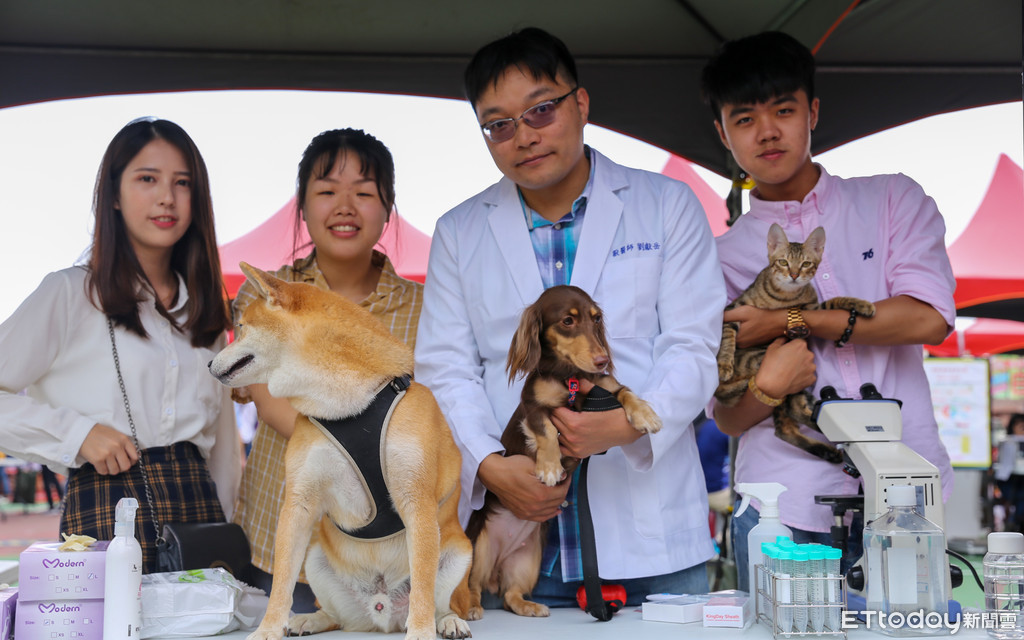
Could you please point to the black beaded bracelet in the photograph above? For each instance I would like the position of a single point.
(848, 331)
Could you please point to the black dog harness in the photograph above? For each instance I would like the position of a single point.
(361, 439)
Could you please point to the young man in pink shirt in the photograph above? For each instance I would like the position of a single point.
(884, 243)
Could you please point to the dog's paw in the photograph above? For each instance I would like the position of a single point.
(421, 634)
(453, 627)
(523, 607)
(304, 624)
(476, 612)
(265, 634)
(642, 416)
(550, 473)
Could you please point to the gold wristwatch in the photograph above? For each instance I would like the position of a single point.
(796, 327)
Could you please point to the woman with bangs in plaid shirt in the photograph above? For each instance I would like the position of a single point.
(345, 194)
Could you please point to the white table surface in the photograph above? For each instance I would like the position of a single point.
(569, 624)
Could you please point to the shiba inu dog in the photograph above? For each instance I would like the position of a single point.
(332, 359)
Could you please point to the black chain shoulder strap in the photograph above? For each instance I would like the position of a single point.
(135, 434)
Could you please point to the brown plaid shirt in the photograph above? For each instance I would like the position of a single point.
(396, 302)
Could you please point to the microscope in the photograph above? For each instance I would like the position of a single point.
(868, 431)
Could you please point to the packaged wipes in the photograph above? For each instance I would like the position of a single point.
(200, 602)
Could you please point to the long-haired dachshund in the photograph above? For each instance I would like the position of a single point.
(560, 341)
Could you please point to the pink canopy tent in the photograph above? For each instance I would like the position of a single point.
(714, 204)
(988, 257)
(981, 337)
(269, 246)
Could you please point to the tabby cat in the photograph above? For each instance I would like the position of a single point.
(784, 283)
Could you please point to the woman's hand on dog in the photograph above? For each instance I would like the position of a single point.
(109, 450)
(514, 481)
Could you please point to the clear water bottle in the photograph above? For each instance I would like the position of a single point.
(905, 558)
(1004, 585)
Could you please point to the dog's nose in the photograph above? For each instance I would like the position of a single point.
(601, 361)
(209, 364)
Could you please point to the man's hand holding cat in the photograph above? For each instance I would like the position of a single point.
(757, 326)
(788, 367)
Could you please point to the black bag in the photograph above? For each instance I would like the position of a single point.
(201, 545)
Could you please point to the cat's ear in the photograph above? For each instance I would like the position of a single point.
(815, 242)
(776, 239)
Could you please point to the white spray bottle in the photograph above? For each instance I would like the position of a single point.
(768, 526)
(122, 587)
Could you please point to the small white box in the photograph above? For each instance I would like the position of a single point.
(729, 611)
(682, 609)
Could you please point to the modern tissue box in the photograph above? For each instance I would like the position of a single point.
(8, 600)
(59, 620)
(46, 574)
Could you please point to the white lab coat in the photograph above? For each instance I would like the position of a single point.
(647, 257)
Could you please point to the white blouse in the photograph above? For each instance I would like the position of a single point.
(56, 345)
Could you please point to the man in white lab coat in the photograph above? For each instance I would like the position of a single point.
(639, 243)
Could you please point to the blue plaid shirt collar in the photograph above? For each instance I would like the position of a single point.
(579, 205)
(555, 243)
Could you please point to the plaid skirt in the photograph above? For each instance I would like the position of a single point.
(182, 492)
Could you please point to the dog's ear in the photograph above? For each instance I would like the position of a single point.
(524, 352)
(267, 286)
(602, 339)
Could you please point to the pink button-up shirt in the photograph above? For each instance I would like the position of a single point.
(884, 238)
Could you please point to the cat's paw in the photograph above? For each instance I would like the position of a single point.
(725, 370)
(862, 307)
(865, 308)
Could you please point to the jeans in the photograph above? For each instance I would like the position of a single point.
(555, 593)
(742, 525)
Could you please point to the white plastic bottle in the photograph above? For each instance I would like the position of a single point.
(768, 526)
(1004, 584)
(122, 587)
(905, 557)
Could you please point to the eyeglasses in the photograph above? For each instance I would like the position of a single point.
(537, 116)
